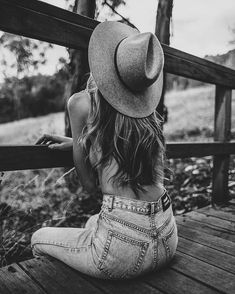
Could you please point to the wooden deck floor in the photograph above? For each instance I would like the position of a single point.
(204, 263)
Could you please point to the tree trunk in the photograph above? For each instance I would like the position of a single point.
(79, 73)
(162, 31)
(78, 66)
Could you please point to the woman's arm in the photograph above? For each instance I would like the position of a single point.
(78, 108)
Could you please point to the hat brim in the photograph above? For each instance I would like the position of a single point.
(101, 55)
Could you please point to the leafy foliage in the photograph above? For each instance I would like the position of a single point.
(32, 96)
(25, 54)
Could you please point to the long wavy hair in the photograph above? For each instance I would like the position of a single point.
(137, 144)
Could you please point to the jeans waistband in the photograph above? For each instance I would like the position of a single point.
(138, 206)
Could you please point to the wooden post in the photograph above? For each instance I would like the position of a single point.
(162, 31)
(222, 129)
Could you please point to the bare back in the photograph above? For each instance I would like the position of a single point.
(153, 192)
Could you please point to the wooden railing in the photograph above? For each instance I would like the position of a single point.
(39, 20)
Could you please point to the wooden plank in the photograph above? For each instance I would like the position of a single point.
(228, 214)
(42, 21)
(214, 257)
(222, 132)
(32, 157)
(199, 149)
(30, 23)
(136, 286)
(56, 277)
(204, 238)
(173, 282)
(14, 280)
(67, 279)
(213, 221)
(204, 272)
(56, 12)
(189, 67)
(206, 228)
(18, 157)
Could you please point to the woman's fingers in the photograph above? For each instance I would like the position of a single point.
(43, 139)
(61, 146)
(53, 138)
(56, 146)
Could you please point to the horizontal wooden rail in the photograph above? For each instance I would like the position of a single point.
(39, 20)
(24, 157)
(39, 156)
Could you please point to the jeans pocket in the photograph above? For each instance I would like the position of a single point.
(170, 241)
(122, 256)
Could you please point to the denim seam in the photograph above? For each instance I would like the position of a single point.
(165, 241)
(155, 243)
(143, 245)
(149, 233)
(58, 244)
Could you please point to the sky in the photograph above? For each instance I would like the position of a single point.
(199, 27)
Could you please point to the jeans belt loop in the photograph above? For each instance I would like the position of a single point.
(152, 208)
(110, 206)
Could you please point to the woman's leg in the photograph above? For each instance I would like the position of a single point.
(70, 245)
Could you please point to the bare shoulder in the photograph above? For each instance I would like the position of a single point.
(79, 104)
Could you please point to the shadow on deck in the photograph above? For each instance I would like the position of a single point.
(204, 263)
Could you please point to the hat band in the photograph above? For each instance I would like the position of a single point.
(133, 75)
(116, 66)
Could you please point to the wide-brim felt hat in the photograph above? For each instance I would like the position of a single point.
(127, 67)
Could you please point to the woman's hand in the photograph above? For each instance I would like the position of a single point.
(56, 142)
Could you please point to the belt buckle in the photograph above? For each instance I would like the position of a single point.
(110, 205)
(166, 202)
(152, 208)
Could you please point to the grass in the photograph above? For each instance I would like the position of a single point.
(34, 198)
(191, 114)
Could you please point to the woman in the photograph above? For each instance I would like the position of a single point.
(117, 147)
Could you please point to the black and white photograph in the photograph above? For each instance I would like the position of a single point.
(117, 146)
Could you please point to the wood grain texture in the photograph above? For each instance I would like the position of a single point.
(192, 233)
(14, 280)
(182, 150)
(57, 12)
(35, 19)
(212, 220)
(217, 278)
(32, 157)
(56, 277)
(207, 228)
(20, 157)
(172, 282)
(136, 286)
(222, 130)
(30, 23)
(228, 214)
(202, 252)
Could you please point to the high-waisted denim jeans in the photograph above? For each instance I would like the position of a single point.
(126, 239)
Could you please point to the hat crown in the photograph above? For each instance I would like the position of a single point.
(139, 61)
(127, 67)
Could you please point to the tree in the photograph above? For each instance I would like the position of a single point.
(78, 65)
(20, 55)
(162, 31)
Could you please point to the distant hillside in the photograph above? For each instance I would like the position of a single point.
(227, 59)
(179, 83)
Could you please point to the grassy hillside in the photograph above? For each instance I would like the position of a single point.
(191, 114)
(26, 131)
(190, 117)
